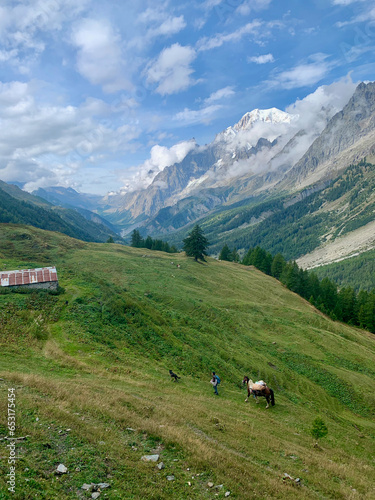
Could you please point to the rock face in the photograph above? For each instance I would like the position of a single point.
(348, 138)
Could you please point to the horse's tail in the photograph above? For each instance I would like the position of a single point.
(272, 398)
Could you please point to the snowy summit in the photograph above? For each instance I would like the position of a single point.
(272, 115)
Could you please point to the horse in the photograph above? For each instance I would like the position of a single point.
(259, 389)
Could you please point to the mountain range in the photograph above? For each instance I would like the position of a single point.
(269, 180)
(20, 207)
(260, 168)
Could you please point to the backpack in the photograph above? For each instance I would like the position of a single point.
(218, 379)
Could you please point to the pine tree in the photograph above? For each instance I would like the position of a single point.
(136, 239)
(195, 244)
(277, 266)
(225, 253)
(148, 242)
(234, 257)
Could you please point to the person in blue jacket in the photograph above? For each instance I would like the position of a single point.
(215, 381)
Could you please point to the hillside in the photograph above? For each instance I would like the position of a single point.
(357, 271)
(17, 206)
(90, 372)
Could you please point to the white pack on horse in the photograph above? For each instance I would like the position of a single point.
(258, 389)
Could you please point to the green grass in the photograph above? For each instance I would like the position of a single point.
(95, 360)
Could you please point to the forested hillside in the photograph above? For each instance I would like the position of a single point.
(357, 272)
(294, 226)
(69, 222)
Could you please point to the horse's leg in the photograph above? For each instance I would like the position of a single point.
(268, 401)
(248, 395)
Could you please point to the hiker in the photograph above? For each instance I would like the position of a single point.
(215, 381)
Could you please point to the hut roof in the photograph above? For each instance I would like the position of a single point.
(28, 276)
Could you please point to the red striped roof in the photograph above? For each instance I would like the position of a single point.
(28, 276)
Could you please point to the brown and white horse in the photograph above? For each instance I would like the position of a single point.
(259, 389)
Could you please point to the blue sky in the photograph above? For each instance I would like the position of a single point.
(92, 92)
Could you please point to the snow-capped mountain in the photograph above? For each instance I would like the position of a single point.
(250, 158)
(272, 115)
(262, 119)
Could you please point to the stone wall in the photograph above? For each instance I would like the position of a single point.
(48, 285)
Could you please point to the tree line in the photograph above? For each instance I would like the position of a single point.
(137, 241)
(340, 303)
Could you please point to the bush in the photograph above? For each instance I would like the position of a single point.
(319, 429)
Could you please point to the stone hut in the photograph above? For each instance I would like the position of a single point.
(43, 277)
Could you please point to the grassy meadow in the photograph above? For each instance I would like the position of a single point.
(90, 373)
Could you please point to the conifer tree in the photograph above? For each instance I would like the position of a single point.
(195, 244)
(277, 266)
(234, 257)
(225, 253)
(148, 242)
(136, 239)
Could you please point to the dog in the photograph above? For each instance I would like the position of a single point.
(173, 376)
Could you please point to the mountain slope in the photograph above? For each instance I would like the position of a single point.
(71, 199)
(223, 165)
(348, 138)
(96, 362)
(68, 197)
(23, 208)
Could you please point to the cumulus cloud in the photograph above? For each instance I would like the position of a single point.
(99, 55)
(172, 70)
(23, 26)
(264, 59)
(314, 113)
(48, 145)
(160, 158)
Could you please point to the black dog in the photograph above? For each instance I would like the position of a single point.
(173, 376)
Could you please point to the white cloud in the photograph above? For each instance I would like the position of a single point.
(160, 158)
(203, 115)
(170, 26)
(43, 144)
(219, 95)
(206, 113)
(24, 24)
(249, 5)
(366, 16)
(99, 57)
(314, 112)
(303, 75)
(210, 4)
(266, 58)
(346, 2)
(218, 40)
(172, 70)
